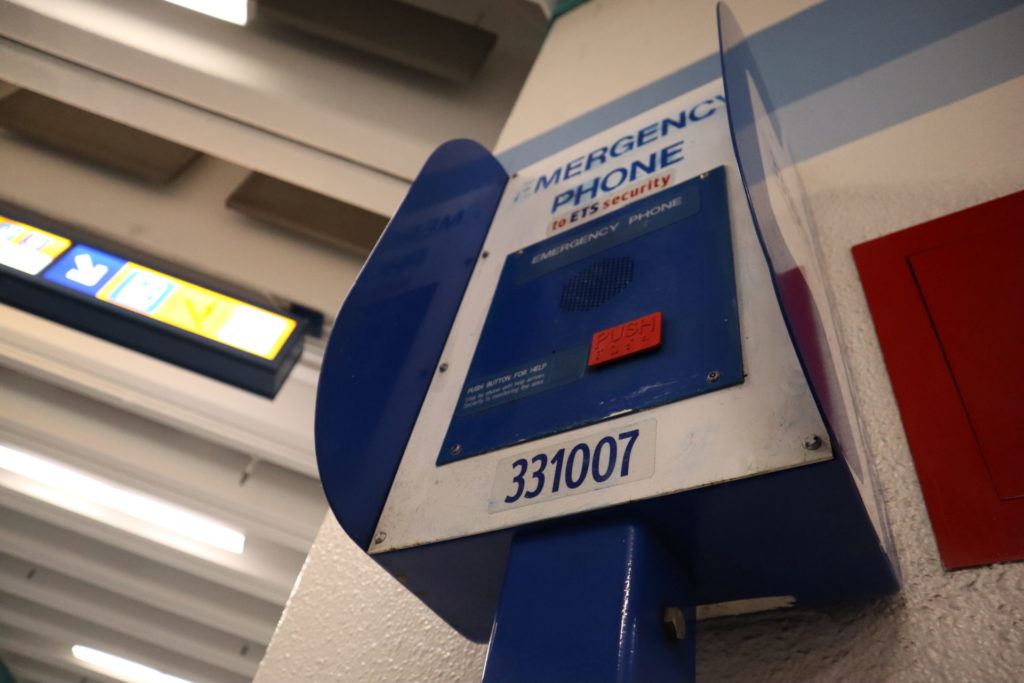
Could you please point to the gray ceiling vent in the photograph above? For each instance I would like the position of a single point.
(401, 33)
(308, 213)
(82, 134)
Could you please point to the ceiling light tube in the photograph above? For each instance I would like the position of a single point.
(125, 669)
(71, 487)
(235, 11)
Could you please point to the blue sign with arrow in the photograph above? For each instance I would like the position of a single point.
(84, 269)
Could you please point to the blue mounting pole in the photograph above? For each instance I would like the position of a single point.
(600, 603)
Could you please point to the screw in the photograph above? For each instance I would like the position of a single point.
(247, 471)
(704, 175)
(379, 538)
(442, 367)
(485, 254)
(812, 443)
(456, 449)
(673, 623)
(714, 376)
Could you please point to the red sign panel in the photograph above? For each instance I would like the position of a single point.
(947, 300)
(625, 340)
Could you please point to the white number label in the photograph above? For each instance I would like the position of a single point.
(605, 459)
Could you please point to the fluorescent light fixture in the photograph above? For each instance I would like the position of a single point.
(125, 669)
(235, 11)
(85, 494)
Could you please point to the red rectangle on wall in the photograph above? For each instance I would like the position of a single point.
(947, 298)
(974, 293)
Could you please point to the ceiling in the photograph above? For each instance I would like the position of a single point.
(346, 123)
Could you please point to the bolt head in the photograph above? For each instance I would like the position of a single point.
(456, 449)
(443, 367)
(714, 376)
(812, 442)
(379, 538)
(673, 622)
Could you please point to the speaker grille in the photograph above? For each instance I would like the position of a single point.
(596, 284)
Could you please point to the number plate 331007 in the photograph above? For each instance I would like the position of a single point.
(595, 462)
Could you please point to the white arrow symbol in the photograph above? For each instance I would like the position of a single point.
(86, 272)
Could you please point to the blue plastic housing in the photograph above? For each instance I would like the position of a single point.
(802, 532)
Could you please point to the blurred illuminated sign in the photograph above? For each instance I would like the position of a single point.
(108, 280)
(172, 301)
(28, 249)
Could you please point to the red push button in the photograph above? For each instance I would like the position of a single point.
(625, 340)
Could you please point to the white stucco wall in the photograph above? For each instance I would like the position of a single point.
(966, 625)
(349, 621)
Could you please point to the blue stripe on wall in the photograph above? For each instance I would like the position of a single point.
(967, 62)
(935, 52)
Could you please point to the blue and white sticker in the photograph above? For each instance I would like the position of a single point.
(603, 459)
(541, 374)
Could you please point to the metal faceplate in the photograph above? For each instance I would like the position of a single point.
(563, 448)
(534, 372)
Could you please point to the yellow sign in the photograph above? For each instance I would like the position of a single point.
(197, 310)
(148, 292)
(28, 249)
